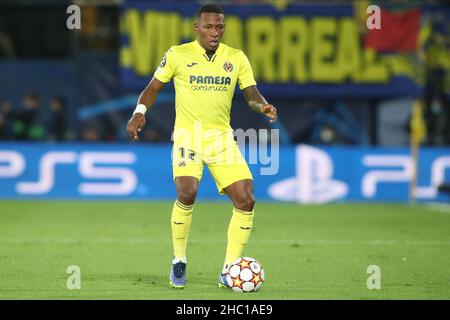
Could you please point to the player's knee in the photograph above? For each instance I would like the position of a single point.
(245, 203)
(187, 195)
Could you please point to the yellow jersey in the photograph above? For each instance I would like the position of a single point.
(204, 86)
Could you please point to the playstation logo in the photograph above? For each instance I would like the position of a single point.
(313, 182)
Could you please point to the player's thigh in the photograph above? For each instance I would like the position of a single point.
(226, 175)
(186, 162)
(228, 166)
(187, 173)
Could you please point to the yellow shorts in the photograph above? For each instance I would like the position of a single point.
(220, 154)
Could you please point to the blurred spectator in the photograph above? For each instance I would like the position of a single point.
(3, 128)
(437, 119)
(434, 55)
(57, 119)
(329, 136)
(335, 124)
(7, 120)
(90, 135)
(152, 135)
(91, 131)
(29, 126)
(6, 46)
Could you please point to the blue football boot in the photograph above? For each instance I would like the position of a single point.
(222, 282)
(178, 274)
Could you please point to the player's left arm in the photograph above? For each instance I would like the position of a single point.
(258, 103)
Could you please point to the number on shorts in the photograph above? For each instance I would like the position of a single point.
(191, 153)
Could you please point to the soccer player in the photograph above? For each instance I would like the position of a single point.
(205, 74)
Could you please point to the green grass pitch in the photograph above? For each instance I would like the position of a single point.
(308, 252)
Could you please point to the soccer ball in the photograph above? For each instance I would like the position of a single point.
(245, 275)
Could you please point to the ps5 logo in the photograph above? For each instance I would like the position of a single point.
(399, 169)
(313, 182)
(91, 165)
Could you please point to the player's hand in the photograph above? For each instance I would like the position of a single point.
(271, 112)
(135, 125)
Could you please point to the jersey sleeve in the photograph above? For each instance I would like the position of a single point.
(245, 76)
(167, 68)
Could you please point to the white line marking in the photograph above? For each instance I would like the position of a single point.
(144, 241)
(438, 207)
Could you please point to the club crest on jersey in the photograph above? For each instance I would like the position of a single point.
(227, 66)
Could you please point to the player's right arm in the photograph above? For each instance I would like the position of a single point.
(146, 98)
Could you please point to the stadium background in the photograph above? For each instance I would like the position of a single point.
(358, 108)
